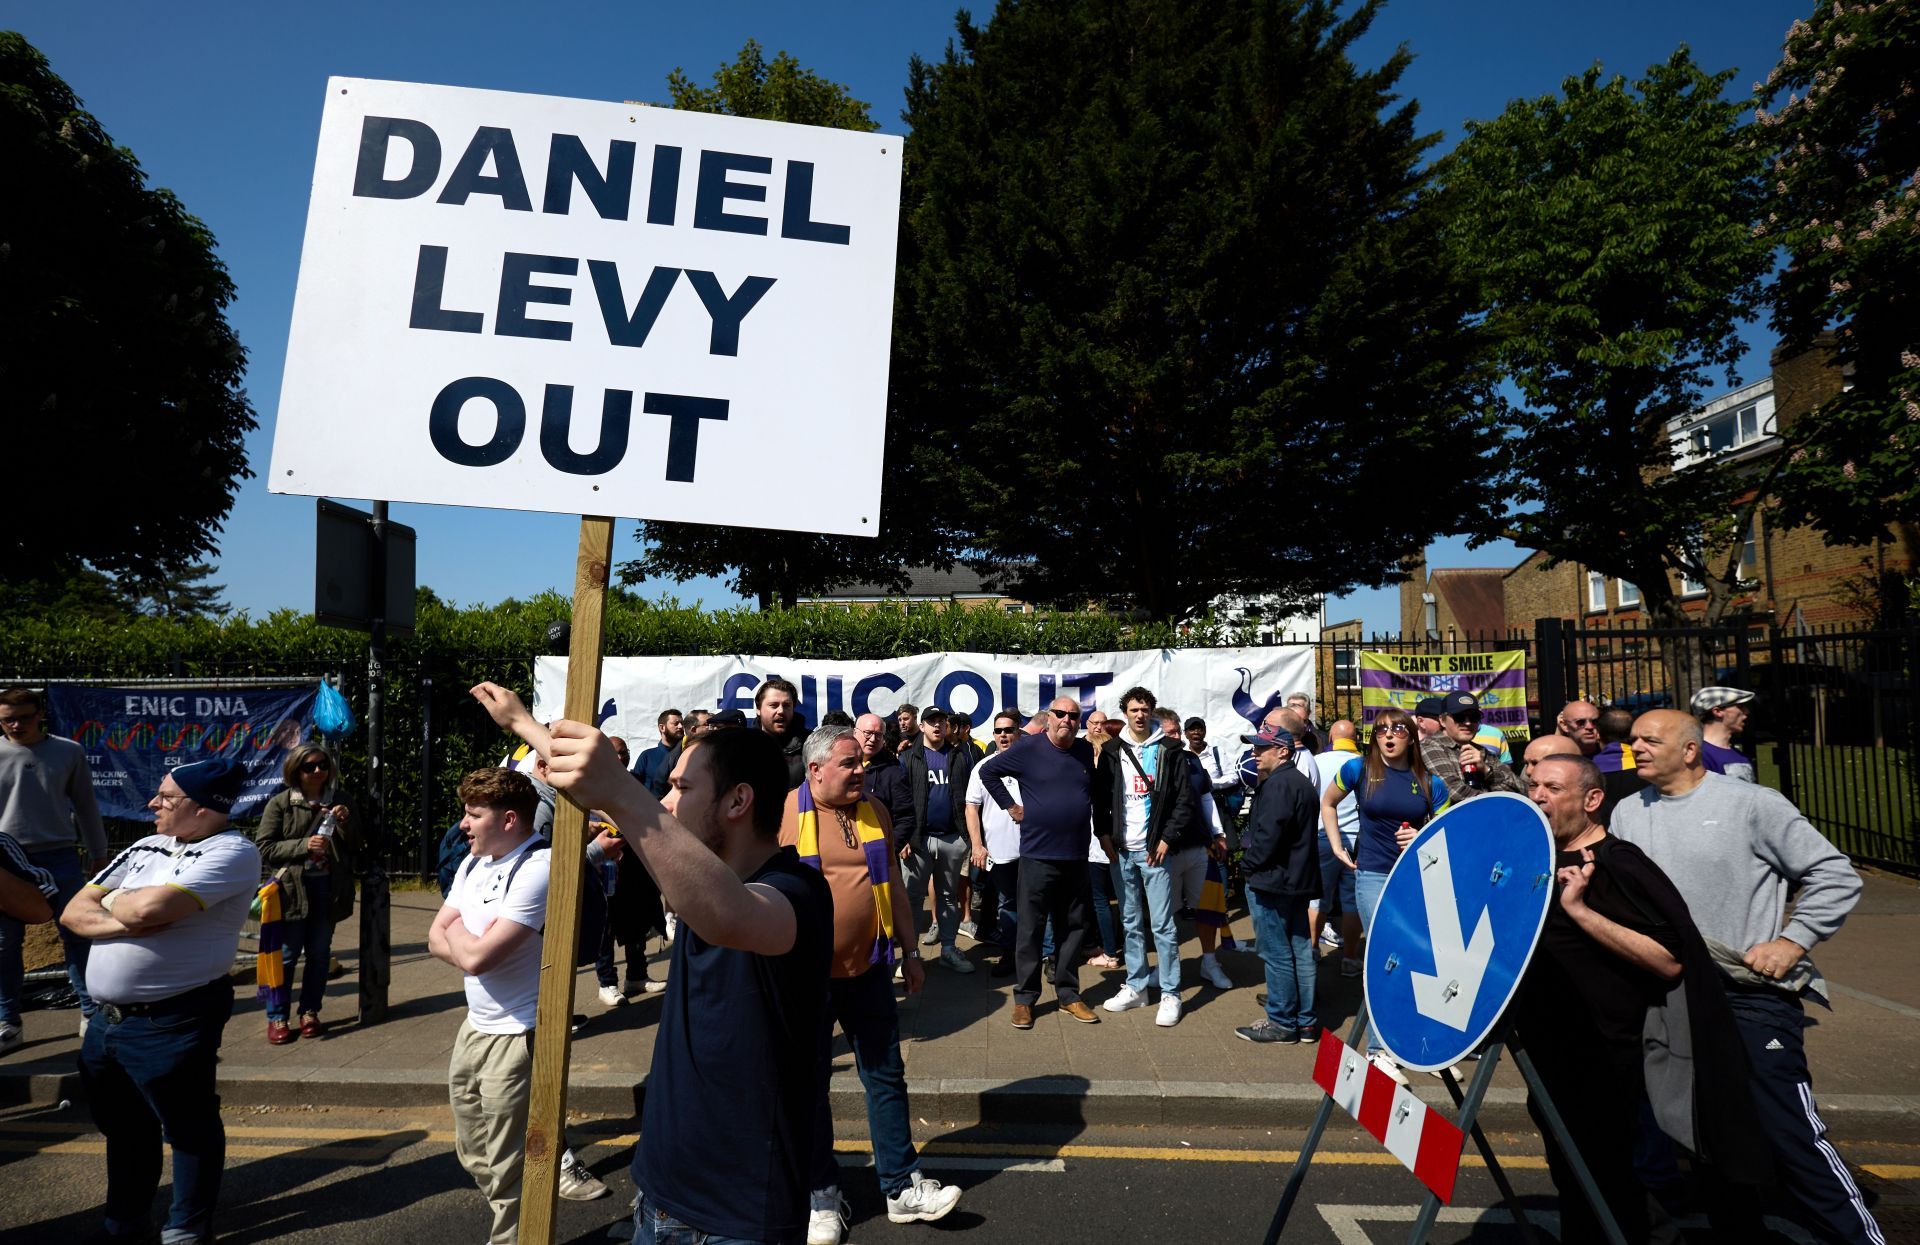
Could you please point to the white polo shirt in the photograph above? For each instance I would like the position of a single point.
(997, 827)
(222, 872)
(505, 998)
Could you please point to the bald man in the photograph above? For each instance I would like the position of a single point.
(1542, 747)
(1580, 721)
(1735, 851)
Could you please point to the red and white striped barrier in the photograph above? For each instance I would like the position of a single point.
(1426, 1141)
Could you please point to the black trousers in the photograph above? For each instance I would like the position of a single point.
(1596, 1093)
(1056, 891)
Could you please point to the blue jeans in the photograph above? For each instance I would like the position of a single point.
(1280, 925)
(151, 1078)
(653, 1226)
(64, 864)
(1146, 899)
(311, 935)
(1100, 877)
(1336, 883)
(1366, 892)
(865, 1008)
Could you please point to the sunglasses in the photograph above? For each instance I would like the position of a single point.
(1583, 721)
(315, 767)
(1391, 728)
(1006, 730)
(1065, 714)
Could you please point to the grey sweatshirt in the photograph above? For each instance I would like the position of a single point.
(45, 788)
(1732, 849)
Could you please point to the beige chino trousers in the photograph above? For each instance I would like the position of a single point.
(489, 1081)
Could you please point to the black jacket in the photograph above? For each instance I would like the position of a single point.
(960, 761)
(887, 786)
(1282, 838)
(1175, 816)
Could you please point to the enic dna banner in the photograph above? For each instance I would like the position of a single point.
(134, 735)
(1403, 680)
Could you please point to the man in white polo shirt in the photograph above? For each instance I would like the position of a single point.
(489, 929)
(165, 919)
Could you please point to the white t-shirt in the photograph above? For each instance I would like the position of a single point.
(997, 826)
(222, 871)
(505, 998)
(1136, 780)
(1326, 767)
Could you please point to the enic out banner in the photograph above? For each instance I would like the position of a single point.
(134, 735)
(1403, 680)
(588, 307)
(1232, 688)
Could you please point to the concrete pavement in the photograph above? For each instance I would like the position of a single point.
(966, 1064)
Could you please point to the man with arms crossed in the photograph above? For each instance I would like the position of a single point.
(724, 1144)
(165, 922)
(1734, 850)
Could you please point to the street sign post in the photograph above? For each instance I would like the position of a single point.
(1456, 927)
(1450, 941)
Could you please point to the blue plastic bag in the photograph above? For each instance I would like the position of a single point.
(332, 715)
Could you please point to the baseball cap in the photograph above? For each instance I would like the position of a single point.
(213, 784)
(1275, 737)
(1459, 704)
(1709, 698)
(1429, 707)
(726, 718)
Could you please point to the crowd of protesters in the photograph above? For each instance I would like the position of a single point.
(791, 871)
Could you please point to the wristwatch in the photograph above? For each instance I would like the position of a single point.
(912, 953)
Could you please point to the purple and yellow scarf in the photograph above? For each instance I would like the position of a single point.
(874, 844)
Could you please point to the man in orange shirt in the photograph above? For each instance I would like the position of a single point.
(849, 838)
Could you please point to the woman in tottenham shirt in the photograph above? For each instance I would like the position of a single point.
(1394, 789)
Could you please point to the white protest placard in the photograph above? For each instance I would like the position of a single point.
(535, 303)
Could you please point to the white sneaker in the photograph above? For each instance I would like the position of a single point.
(951, 958)
(923, 1200)
(610, 996)
(1214, 975)
(577, 1184)
(1169, 1014)
(654, 987)
(673, 925)
(932, 937)
(10, 1037)
(827, 1217)
(1330, 937)
(1125, 1001)
(1388, 1066)
(83, 1026)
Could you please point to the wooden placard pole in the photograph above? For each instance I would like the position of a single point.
(553, 1020)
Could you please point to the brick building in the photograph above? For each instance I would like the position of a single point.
(1798, 578)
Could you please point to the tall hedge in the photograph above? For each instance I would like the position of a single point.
(454, 648)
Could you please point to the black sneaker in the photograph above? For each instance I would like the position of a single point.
(1309, 1036)
(1047, 969)
(1265, 1031)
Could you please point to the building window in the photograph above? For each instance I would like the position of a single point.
(1629, 594)
(1750, 549)
(1346, 669)
(1727, 431)
(1013, 607)
(1596, 591)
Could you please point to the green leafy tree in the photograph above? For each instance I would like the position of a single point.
(118, 371)
(779, 567)
(181, 594)
(1612, 228)
(1844, 144)
(1176, 319)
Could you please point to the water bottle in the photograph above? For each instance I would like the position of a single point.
(1408, 827)
(325, 831)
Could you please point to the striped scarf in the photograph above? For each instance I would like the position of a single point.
(270, 969)
(1212, 909)
(874, 844)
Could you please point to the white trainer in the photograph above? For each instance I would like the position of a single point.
(11, 1036)
(1214, 975)
(610, 996)
(1381, 1061)
(923, 1200)
(1169, 1014)
(577, 1184)
(827, 1217)
(951, 958)
(1125, 1001)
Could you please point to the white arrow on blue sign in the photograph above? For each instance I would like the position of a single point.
(1456, 927)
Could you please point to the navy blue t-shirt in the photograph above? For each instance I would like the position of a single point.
(1384, 807)
(939, 796)
(726, 1135)
(1056, 795)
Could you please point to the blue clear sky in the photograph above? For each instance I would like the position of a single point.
(221, 103)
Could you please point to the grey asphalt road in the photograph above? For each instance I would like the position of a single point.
(306, 1176)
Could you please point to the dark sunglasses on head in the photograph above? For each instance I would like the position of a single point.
(1066, 714)
(316, 767)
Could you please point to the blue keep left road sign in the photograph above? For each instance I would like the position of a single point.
(1456, 927)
